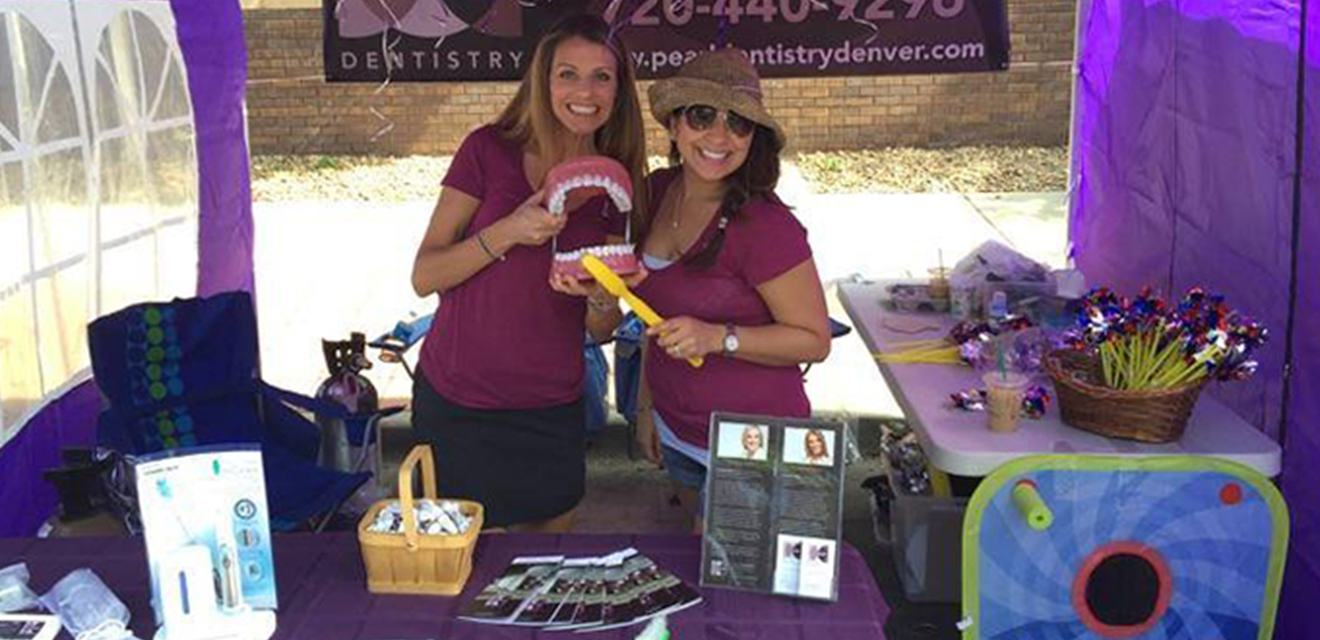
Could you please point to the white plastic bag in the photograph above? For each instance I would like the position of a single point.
(87, 608)
(15, 595)
(994, 262)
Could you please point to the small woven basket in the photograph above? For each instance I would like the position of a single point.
(415, 562)
(1156, 415)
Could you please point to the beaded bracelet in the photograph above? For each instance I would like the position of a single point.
(484, 247)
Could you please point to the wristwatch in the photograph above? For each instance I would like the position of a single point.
(730, 339)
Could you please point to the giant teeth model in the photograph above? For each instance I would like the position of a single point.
(596, 175)
(620, 258)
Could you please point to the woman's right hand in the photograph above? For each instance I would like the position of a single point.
(648, 439)
(531, 224)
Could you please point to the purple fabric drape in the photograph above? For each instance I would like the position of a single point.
(323, 595)
(1301, 448)
(210, 34)
(1185, 128)
(1185, 133)
(28, 499)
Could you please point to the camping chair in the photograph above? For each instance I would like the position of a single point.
(184, 374)
(394, 347)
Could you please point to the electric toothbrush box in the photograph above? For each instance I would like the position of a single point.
(212, 498)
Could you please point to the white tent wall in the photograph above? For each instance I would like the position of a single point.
(98, 175)
(145, 158)
(44, 230)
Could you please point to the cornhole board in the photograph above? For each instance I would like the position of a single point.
(1156, 548)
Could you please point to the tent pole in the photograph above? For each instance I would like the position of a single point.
(1080, 9)
(91, 160)
(1298, 162)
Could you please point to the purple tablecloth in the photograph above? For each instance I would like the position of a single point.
(323, 596)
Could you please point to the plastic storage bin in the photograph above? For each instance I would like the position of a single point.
(925, 535)
(414, 562)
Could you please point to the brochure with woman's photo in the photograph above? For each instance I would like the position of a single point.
(774, 504)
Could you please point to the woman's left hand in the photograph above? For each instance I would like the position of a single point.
(569, 285)
(597, 297)
(686, 337)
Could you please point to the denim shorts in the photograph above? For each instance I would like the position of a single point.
(687, 472)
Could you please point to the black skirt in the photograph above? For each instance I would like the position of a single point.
(522, 465)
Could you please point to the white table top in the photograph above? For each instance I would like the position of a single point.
(959, 442)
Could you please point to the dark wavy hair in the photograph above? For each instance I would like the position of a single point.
(756, 178)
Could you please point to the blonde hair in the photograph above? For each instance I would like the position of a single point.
(529, 119)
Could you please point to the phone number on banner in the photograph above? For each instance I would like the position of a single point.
(680, 12)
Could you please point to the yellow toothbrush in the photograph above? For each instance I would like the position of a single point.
(614, 284)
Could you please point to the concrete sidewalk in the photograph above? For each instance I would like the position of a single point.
(327, 268)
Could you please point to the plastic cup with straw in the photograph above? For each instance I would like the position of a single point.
(939, 281)
(1004, 391)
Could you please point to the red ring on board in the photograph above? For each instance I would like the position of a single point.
(1126, 547)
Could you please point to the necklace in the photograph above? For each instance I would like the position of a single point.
(682, 199)
(676, 222)
(682, 203)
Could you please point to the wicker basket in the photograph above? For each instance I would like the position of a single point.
(414, 562)
(1158, 415)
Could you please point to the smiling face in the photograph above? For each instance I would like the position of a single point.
(583, 85)
(815, 445)
(751, 440)
(711, 154)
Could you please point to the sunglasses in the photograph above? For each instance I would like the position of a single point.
(700, 117)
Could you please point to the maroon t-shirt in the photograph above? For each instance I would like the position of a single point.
(503, 339)
(762, 242)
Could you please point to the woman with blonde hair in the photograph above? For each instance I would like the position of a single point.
(505, 417)
(818, 452)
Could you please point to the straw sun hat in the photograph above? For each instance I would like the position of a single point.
(723, 79)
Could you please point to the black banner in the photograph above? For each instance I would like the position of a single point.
(440, 40)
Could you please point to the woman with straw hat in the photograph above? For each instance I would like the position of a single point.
(729, 266)
(505, 417)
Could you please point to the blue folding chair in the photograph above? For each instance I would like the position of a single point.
(184, 374)
(394, 347)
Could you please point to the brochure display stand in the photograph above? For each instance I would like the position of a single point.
(774, 501)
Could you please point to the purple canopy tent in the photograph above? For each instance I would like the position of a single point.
(1195, 162)
(211, 37)
(1191, 166)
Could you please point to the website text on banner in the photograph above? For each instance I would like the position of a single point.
(442, 40)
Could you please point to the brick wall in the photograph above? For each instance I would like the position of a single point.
(292, 110)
